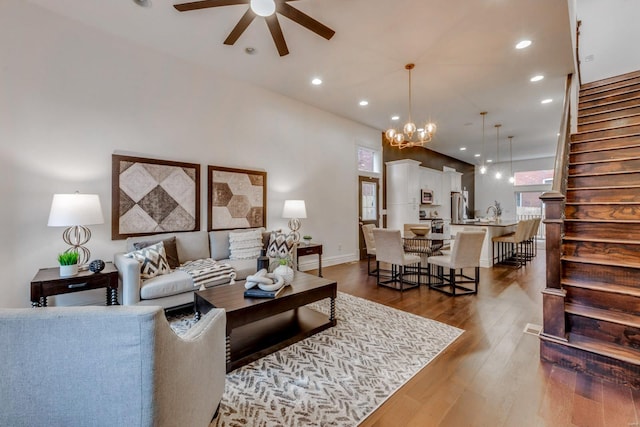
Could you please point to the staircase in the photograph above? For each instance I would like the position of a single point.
(600, 263)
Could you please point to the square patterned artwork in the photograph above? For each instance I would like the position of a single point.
(153, 196)
(237, 198)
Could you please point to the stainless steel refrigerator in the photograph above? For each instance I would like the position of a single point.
(457, 207)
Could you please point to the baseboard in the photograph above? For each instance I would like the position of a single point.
(312, 262)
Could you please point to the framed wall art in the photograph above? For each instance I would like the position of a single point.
(151, 196)
(237, 198)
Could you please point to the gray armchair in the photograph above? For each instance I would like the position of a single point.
(108, 366)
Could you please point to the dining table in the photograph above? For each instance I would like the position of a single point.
(425, 246)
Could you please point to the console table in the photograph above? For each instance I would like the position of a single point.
(47, 282)
(310, 249)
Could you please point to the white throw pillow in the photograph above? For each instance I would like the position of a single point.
(245, 244)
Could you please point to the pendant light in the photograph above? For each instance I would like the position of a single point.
(498, 172)
(483, 168)
(512, 179)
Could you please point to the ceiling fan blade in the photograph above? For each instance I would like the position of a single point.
(305, 20)
(242, 25)
(203, 4)
(276, 33)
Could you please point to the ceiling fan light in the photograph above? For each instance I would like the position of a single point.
(263, 7)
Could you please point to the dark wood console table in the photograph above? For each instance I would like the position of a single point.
(47, 282)
(310, 249)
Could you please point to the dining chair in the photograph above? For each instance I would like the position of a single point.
(389, 249)
(465, 253)
(370, 244)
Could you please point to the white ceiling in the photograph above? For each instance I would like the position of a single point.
(463, 50)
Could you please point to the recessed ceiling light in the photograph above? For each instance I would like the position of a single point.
(364, 103)
(546, 101)
(394, 118)
(143, 3)
(558, 134)
(463, 148)
(250, 50)
(316, 82)
(476, 155)
(489, 160)
(537, 78)
(522, 44)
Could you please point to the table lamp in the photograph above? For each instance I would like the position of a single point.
(294, 210)
(75, 211)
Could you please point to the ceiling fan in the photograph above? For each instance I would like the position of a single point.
(267, 9)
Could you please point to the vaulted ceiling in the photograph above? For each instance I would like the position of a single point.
(464, 51)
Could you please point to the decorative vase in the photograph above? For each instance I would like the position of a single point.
(68, 270)
(307, 242)
(285, 272)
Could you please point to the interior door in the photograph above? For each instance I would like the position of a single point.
(368, 207)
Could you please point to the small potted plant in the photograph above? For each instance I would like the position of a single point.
(307, 239)
(68, 264)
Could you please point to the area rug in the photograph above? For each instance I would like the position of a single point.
(338, 376)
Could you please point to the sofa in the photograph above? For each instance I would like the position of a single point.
(176, 288)
(109, 366)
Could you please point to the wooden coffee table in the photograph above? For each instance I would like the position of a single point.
(260, 326)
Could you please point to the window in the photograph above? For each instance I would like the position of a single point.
(368, 160)
(540, 177)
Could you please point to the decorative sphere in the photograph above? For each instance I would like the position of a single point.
(96, 266)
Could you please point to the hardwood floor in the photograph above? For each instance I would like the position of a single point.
(492, 375)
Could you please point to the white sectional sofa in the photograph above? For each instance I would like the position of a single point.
(176, 288)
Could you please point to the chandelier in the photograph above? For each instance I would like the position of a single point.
(412, 136)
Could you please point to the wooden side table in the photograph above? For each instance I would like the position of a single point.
(310, 249)
(47, 282)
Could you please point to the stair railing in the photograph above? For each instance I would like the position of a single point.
(554, 200)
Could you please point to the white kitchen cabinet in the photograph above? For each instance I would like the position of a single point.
(431, 179)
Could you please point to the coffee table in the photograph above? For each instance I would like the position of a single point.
(260, 326)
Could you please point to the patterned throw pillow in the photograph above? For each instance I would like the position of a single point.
(152, 259)
(170, 249)
(245, 244)
(280, 245)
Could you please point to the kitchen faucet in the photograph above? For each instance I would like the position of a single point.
(494, 210)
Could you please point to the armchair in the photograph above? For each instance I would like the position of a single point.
(108, 366)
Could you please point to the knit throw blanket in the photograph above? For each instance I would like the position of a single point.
(204, 271)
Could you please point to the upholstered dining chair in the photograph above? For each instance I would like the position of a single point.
(370, 244)
(389, 249)
(464, 254)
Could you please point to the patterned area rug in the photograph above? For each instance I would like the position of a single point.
(337, 377)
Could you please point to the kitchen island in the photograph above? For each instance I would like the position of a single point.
(492, 229)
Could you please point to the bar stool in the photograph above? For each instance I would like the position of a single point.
(514, 242)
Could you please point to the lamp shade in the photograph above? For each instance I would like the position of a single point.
(294, 209)
(75, 209)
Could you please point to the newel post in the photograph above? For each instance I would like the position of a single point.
(553, 295)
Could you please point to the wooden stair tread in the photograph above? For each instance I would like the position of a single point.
(603, 348)
(596, 240)
(601, 203)
(610, 80)
(606, 187)
(603, 287)
(585, 132)
(591, 162)
(599, 261)
(584, 114)
(610, 316)
(624, 172)
(601, 150)
(608, 119)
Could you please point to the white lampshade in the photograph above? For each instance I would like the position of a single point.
(263, 7)
(294, 209)
(75, 209)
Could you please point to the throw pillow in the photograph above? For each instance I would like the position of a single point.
(170, 249)
(152, 259)
(280, 245)
(245, 244)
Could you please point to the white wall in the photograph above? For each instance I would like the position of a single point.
(488, 189)
(71, 96)
(610, 33)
